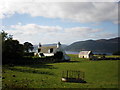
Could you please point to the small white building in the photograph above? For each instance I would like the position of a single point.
(85, 54)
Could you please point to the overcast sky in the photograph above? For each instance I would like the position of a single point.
(67, 22)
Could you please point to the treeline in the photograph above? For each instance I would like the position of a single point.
(15, 53)
(12, 50)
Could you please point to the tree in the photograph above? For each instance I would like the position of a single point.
(12, 50)
(4, 35)
(28, 47)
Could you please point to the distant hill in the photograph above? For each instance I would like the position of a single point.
(101, 45)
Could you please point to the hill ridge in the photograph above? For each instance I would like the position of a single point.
(100, 45)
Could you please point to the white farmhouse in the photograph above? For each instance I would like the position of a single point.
(51, 50)
(85, 54)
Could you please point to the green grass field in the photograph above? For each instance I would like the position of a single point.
(98, 74)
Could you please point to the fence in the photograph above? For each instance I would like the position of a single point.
(73, 76)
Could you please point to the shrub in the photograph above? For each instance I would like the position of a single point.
(29, 54)
(116, 53)
(58, 55)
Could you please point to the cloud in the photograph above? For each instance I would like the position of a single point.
(32, 32)
(82, 30)
(73, 11)
(106, 35)
(52, 34)
(30, 29)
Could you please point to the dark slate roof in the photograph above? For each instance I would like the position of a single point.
(44, 49)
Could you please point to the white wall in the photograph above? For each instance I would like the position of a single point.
(85, 56)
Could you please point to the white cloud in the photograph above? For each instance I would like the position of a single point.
(75, 11)
(52, 34)
(106, 35)
(32, 32)
(82, 30)
(30, 29)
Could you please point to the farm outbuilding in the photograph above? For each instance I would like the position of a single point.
(85, 54)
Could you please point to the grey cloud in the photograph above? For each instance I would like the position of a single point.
(74, 11)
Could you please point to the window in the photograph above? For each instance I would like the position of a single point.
(39, 50)
(50, 50)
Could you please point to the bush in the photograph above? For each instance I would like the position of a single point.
(58, 55)
(116, 53)
(29, 54)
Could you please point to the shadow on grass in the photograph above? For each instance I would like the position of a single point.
(42, 66)
(73, 61)
(30, 71)
(67, 61)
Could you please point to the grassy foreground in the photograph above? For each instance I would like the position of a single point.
(98, 74)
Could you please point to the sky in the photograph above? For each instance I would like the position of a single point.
(51, 22)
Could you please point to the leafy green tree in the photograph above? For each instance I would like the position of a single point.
(11, 49)
(28, 47)
(4, 35)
